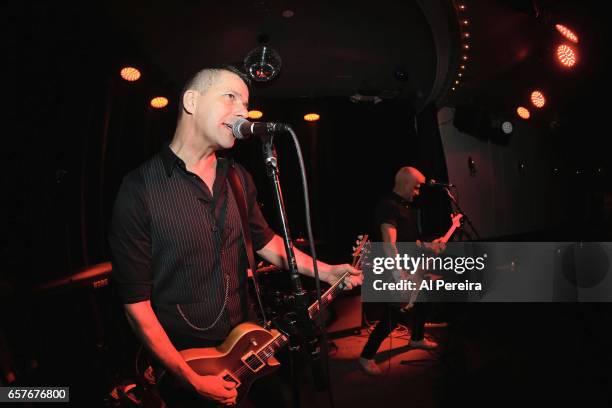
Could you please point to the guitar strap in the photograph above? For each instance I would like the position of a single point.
(237, 184)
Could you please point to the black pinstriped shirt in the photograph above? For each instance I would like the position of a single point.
(176, 244)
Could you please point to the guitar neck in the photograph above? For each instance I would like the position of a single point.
(281, 340)
(329, 295)
(449, 234)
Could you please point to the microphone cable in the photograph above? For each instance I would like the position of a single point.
(323, 346)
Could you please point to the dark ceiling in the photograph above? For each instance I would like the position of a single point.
(327, 48)
(341, 48)
(337, 48)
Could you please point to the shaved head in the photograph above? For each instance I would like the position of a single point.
(408, 180)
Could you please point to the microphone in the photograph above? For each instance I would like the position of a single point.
(243, 129)
(432, 182)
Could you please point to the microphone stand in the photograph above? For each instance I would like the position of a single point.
(297, 324)
(458, 208)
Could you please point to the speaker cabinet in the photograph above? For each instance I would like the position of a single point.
(345, 315)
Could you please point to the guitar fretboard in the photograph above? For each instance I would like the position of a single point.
(330, 294)
(279, 341)
(326, 298)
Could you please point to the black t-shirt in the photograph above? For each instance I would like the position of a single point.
(395, 210)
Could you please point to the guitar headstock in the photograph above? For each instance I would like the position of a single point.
(456, 219)
(360, 248)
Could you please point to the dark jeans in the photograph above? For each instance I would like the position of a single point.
(391, 317)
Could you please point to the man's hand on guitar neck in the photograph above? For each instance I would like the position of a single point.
(274, 252)
(335, 272)
(215, 388)
(437, 246)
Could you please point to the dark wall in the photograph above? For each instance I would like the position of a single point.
(78, 128)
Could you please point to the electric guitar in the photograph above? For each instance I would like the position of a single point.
(248, 352)
(418, 276)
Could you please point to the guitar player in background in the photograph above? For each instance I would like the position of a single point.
(179, 258)
(396, 221)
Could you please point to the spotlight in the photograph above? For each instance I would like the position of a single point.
(159, 102)
(523, 112)
(566, 55)
(507, 127)
(567, 33)
(537, 99)
(311, 117)
(255, 114)
(130, 74)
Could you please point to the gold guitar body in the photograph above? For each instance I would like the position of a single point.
(248, 351)
(239, 358)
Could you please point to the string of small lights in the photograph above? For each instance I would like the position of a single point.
(465, 36)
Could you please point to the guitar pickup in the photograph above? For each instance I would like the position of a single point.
(253, 362)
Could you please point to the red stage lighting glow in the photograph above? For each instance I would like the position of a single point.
(130, 74)
(159, 102)
(537, 99)
(255, 114)
(567, 33)
(566, 55)
(523, 112)
(311, 117)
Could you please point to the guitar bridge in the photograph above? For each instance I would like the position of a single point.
(253, 362)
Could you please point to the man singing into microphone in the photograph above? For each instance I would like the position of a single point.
(178, 256)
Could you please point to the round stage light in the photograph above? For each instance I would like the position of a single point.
(159, 102)
(537, 99)
(130, 74)
(523, 112)
(507, 127)
(566, 55)
(255, 114)
(311, 117)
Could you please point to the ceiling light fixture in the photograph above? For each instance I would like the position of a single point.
(130, 74)
(263, 63)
